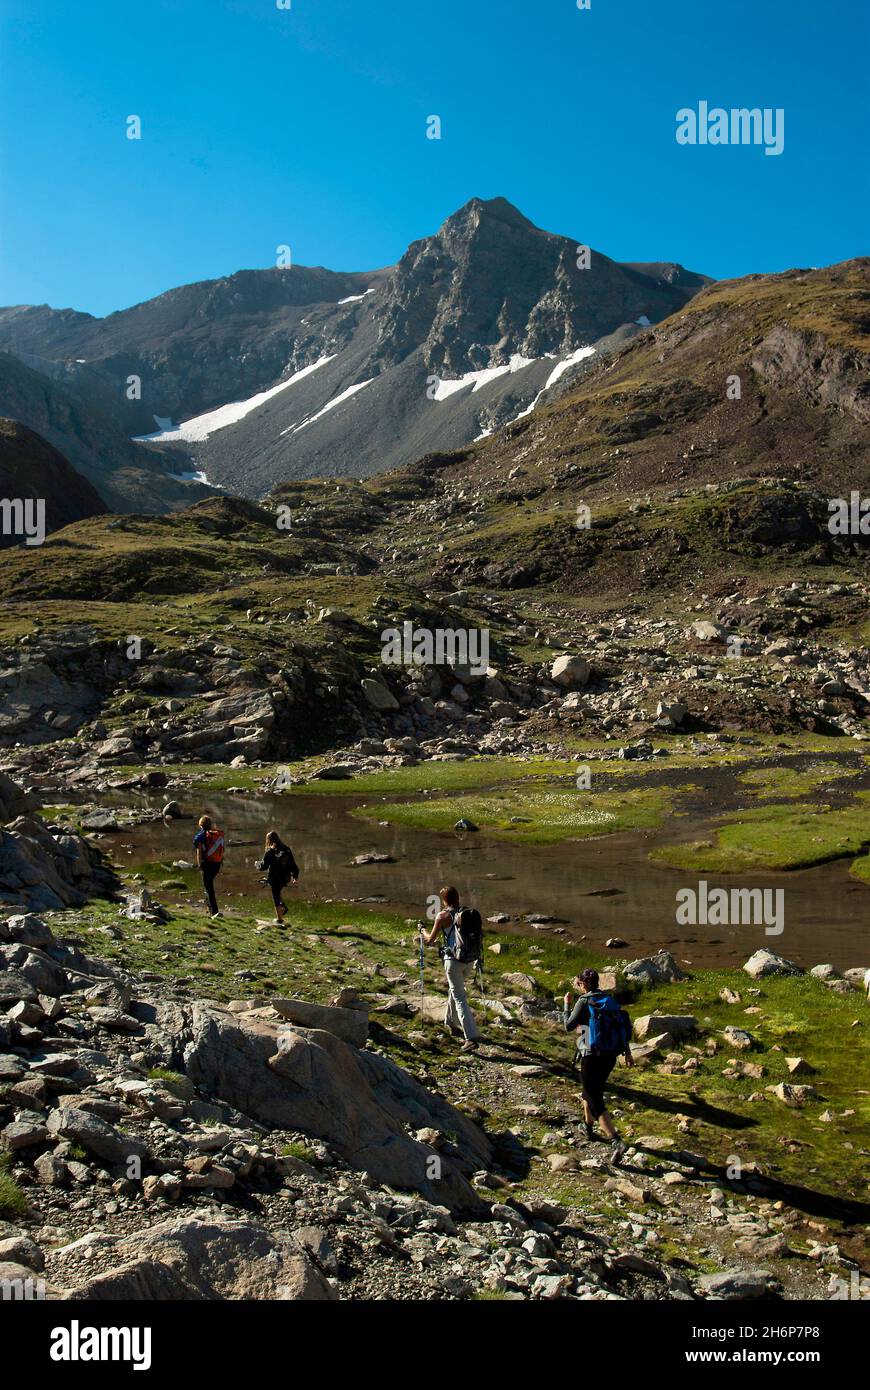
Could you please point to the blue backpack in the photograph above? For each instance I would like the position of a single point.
(609, 1025)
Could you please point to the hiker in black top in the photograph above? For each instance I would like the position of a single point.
(595, 1064)
(458, 1019)
(281, 868)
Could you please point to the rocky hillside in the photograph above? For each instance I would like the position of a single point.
(31, 468)
(127, 476)
(707, 579)
(298, 372)
(156, 1143)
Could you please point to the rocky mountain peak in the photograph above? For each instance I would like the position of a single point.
(479, 211)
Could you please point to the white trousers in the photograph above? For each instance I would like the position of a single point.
(459, 1013)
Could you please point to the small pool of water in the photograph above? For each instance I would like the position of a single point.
(601, 888)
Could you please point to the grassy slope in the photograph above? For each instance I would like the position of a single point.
(333, 945)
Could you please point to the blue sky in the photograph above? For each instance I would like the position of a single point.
(306, 127)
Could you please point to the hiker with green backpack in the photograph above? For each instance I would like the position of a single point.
(461, 930)
(604, 1034)
(281, 868)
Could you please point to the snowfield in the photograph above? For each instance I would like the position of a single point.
(561, 367)
(330, 405)
(355, 298)
(477, 379)
(201, 426)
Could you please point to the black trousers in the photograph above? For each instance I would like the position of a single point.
(277, 886)
(594, 1071)
(209, 874)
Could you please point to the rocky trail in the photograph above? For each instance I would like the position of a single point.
(162, 1145)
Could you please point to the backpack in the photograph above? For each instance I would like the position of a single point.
(467, 936)
(213, 846)
(284, 863)
(609, 1025)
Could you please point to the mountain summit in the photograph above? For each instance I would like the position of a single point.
(272, 374)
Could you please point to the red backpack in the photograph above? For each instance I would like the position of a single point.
(213, 848)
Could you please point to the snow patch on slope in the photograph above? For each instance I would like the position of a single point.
(355, 298)
(196, 476)
(201, 426)
(562, 367)
(477, 379)
(330, 405)
(558, 371)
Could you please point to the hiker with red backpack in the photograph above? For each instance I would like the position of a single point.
(209, 845)
(281, 868)
(604, 1033)
(461, 930)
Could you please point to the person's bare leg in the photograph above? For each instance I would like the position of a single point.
(607, 1124)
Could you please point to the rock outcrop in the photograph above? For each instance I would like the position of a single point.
(290, 1077)
(43, 870)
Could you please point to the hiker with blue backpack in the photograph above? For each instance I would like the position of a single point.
(461, 930)
(604, 1034)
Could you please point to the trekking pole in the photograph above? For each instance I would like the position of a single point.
(421, 976)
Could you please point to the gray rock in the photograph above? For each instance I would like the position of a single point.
(658, 969)
(357, 1101)
(114, 1020)
(764, 962)
(22, 1134)
(571, 672)
(23, 1251)
(100, 1138)
(671, 715)
(378, 696)
(211, 1258)
(50, 1171)
(313, 1240)
(350, 1024)
(676, 1026)
(29, 930)
(794, 1095)
(737, 1284)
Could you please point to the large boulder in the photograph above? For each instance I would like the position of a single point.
(42, 871)
(203, 1258)
(104, 1141)
(361, 1103)
(43, 973)
(706, 631)
(571, 672)
(379, 697)
(670, 714)
(658, 969)
(765, 962)
(737, 1284)
(241, 709)
(14, 800)
(676, 1026)
(350, 1024)
(27, 930)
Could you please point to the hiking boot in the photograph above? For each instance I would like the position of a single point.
(590, 1134)
(471, 1046)
(216, 914)
(617, 1151)
(452, 1031)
